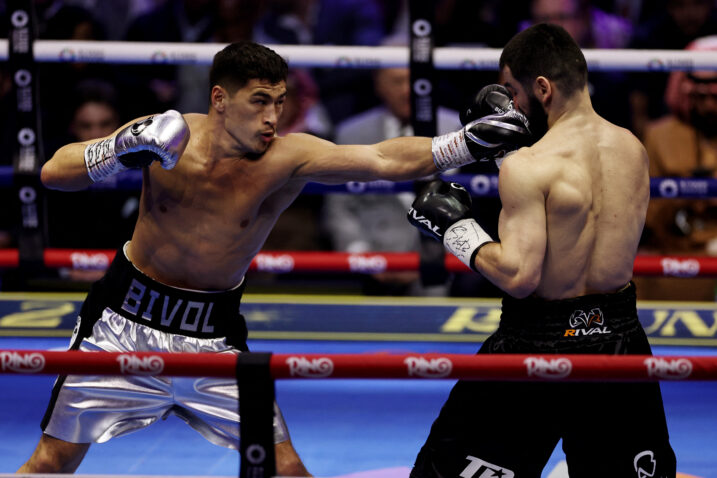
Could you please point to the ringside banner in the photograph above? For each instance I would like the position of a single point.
(361, 318)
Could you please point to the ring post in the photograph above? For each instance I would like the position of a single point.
(27, 145)
(256, 415)
(423, 119)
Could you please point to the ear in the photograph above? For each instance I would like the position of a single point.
(543, 90)
(219, 97)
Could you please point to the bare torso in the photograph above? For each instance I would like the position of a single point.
(201, 223)
(594, 176)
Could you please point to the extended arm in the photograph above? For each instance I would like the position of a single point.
(502, 129)
(155, 138)
(395, 159)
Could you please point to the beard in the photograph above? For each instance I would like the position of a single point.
(537, 117)
(705, 123)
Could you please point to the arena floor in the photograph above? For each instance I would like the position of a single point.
(348, 428)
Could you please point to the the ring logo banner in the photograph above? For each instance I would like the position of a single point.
(26, 363)
(27, 151)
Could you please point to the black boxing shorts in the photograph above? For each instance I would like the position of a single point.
(510, 429)
(126, 311)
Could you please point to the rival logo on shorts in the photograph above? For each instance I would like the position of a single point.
(133, 365)
(669, 369)
(26, 363)
(478, 468)
(314, 368)
(590, 323)
(435, 368)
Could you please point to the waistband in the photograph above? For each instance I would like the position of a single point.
(616, 310)
(139, 298)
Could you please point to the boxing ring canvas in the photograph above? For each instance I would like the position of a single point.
(348, 428)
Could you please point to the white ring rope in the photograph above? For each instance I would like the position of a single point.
(53, 51)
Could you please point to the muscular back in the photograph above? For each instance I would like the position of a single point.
(595, 183)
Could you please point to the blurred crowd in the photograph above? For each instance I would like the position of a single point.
(674, 114)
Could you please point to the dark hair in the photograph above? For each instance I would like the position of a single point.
(546, 50)
(240, 62)
(94, 90)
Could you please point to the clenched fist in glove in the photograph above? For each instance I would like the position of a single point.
(501, 129)
(443, 211)
(156, 138)
(490, 100)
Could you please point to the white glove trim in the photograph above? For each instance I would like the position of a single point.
(101, 161)
(463, 238)
(450, 151)
(504, 125)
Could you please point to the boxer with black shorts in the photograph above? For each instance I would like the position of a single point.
(213, 187)
(574, 206)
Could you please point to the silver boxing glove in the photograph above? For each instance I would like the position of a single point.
(160, 138)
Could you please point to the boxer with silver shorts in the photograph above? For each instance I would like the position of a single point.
(126, 311)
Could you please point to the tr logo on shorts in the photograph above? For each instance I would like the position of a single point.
(589, 323)
(478, 468)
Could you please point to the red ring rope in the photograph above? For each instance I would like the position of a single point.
(537, 367)
(370, 262)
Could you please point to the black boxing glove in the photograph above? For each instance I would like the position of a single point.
(443, 211)
(491, 99)
(489, 137)
(156, 138)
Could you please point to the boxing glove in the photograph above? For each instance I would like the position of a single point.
(443, 211)
(160, 138)
(491, 99)
(489, 137)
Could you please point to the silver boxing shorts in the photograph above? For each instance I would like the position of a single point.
(87, 408)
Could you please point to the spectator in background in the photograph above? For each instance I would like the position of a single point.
(115, 15)
(675, 25)
(68, 22)
(298, 227)
(236, 19)
(684, 144)
(343, 91)
(376, 222)
(162, 87)
(588, 25)
(303, 111)
(94, 114)
(591, 27)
